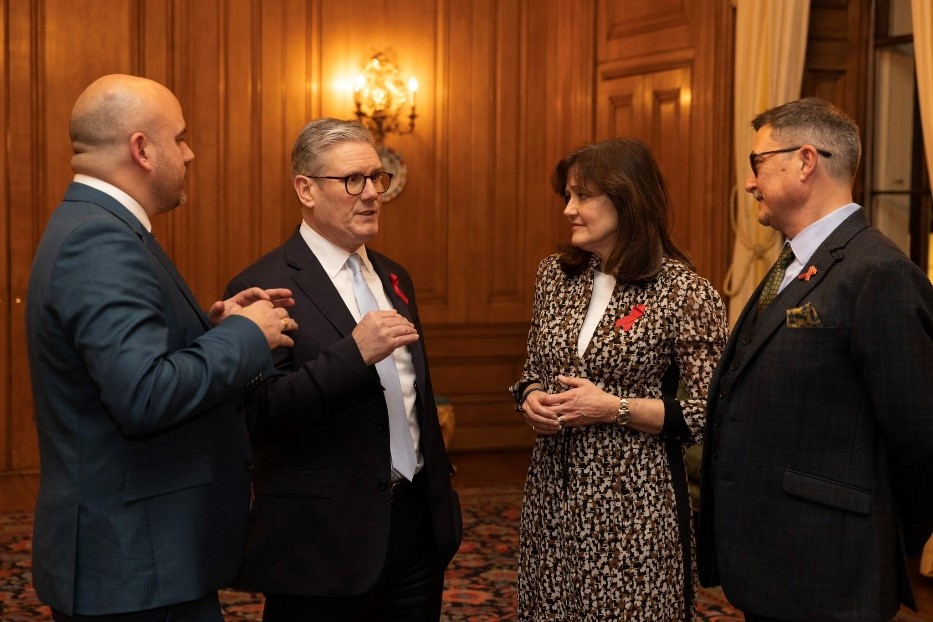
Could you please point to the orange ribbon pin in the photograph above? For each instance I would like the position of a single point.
(806, 275)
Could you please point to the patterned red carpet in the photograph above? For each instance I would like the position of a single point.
(480, 583)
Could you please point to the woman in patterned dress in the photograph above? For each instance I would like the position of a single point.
(620, 320)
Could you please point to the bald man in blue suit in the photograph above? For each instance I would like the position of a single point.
(144, 490)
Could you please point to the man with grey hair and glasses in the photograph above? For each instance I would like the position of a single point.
(354, 516)
(819, 437)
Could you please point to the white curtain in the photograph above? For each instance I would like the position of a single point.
(770, 44)
(922, 18)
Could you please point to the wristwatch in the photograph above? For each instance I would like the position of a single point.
(624, 415)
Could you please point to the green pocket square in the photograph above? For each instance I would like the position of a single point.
(803, 317)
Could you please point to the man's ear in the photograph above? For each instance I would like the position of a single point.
(303, 189)
(808, 157)
(139, 145)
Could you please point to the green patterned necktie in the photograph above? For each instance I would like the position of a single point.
(773, 281)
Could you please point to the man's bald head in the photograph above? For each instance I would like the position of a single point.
(107, 113)
(130, 132)
(111, 109)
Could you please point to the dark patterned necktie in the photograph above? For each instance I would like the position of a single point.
(773, 281)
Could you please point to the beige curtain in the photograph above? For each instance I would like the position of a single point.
(922, 18)
(770, 44)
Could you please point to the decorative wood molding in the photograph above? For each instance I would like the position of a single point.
(624, 20)
(653, 63)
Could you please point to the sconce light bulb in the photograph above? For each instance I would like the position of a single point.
(412, 85)
(359, 83)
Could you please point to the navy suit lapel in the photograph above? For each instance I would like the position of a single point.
(415, 349)
(156, 249)
(400, 305)
(81, 192)
(316, 285)
(389, 287)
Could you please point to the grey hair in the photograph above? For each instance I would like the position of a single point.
(816, 122)
(320, 135)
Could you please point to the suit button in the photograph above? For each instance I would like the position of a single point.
(715, 454)
(722, 394)
(746, 340)
(383, 485)
(715, 423)
(734, 366)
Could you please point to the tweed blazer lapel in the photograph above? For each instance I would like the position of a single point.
(316, 285)
(829, 253)
(80, 192)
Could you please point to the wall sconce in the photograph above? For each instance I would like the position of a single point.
(380, 96)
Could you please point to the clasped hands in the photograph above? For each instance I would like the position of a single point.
(267, 308)
(583, 403)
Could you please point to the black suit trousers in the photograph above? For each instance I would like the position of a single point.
(408, 589)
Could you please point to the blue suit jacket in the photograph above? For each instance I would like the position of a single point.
(320, 521)
(144, 489)
(819, 442)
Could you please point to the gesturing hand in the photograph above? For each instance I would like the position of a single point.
(271, 320)
(381, 332)
(222, 309)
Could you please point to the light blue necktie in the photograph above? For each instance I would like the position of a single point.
(400, 442)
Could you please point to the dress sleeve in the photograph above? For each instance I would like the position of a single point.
(532, 371)
(700, 336)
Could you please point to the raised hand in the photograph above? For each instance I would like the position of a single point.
(379, 333)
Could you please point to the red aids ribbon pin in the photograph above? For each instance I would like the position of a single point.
(626, 322)
(398, 290)
(806, 275)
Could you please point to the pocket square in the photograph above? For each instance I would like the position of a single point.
(803, 317)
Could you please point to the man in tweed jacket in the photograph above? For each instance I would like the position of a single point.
(819, 442)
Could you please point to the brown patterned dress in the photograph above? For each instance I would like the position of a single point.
(605, 526)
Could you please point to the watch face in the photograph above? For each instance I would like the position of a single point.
(393, 163)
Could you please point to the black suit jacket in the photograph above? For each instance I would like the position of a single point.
(819, 441)
(144, 491)
(320, 520)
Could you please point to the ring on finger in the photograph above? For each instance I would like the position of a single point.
(560, 421)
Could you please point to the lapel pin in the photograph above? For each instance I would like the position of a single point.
(626, 322)
(805, 276)
(398, 290)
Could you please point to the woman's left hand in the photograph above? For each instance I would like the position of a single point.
(583, 403)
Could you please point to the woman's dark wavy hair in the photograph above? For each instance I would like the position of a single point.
(624, 170)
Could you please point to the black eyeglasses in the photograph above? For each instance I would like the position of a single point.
(753, 157)
(356, 182)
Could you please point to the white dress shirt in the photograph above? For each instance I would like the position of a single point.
(334, 261)
(121, 197)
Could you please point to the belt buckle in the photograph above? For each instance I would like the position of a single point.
(397, 487)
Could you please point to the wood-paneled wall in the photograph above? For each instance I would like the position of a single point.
(665, 76)
(507, 88)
